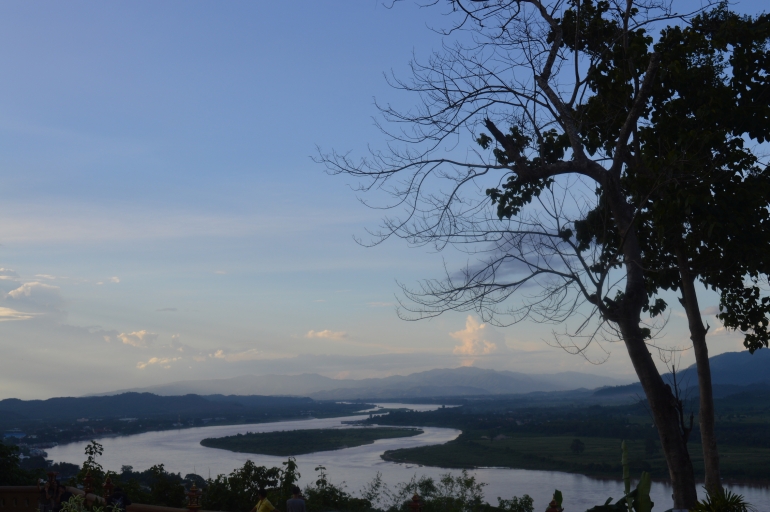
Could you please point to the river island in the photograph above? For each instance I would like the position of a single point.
(300, 442)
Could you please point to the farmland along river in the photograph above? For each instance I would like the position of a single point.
(180, 451)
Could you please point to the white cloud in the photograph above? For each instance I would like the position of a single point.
(115, 279)
(252, 354)
(326, 333)
(45, 276)
(477, 339)
(40, 294)
(164, 362)
(7, 273)
(176, 344)
(138, 339)
(8, 314)
(709, 311)
(246, 355)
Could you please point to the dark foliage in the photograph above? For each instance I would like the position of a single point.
(298, 442)
(11, 472)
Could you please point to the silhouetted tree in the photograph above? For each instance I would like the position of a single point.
(613, 158)
(10, 467)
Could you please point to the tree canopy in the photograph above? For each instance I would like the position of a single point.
(619, 147)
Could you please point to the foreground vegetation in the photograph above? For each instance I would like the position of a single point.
(299, 442)
(237, 491)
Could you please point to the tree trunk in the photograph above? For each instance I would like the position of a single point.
(706, 413)
(666, 416)
(663, 404)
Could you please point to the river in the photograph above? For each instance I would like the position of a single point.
(180, 451)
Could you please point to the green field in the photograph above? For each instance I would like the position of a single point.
(299, 442)
(601, 456)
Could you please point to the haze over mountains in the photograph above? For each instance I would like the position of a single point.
(731, 372)
(728, 369)
(462, 381)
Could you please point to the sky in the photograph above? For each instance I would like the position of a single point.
(162, 219)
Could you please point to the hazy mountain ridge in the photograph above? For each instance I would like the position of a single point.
(144, 405)
(122, 405)
(731, 372)
(461, 381)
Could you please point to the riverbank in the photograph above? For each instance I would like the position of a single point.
(181, 452)
(599, 457)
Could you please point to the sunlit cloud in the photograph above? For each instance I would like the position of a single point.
(45, 276)
(327, 334)
(710, 311)
(246, 355)
(8, 314)
(140, 339)
(164, 362)
(37, 294)
(115, 279)
(477, 339)
(6, 273)
(252, 354)
(176, 343)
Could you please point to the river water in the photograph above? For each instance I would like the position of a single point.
(180, 451)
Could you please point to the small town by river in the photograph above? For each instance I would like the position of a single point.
(180, 451)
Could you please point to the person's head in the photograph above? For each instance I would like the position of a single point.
(296, 490)
(262, 494)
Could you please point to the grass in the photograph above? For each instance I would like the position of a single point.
(601, 456)
(299, 442)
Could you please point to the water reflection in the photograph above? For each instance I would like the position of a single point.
(180, 451)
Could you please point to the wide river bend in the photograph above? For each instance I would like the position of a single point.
(180, 451)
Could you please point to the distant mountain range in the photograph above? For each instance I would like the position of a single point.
(731, 372)
(464, 381)
(143, 405)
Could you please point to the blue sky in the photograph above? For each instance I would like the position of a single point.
(161, 218)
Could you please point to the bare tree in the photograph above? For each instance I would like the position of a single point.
(560, 97)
